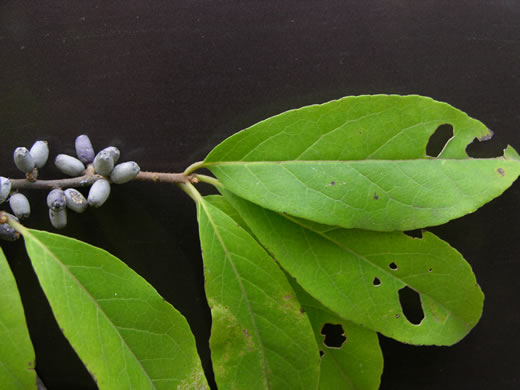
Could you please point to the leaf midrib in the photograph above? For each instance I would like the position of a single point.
(287, 162)
(242, 289)
(87, 293)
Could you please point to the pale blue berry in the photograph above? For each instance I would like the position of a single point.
(56, 200)
(114, 152)
(99, 193)
(84, 149)
(20, 205)
(75, 200)
(58, 218)
(5, 188)
(69, 165)
(124, 172)
(23, 159)
(104, 163)
(40, 153)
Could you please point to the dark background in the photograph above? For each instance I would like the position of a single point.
(165, 81)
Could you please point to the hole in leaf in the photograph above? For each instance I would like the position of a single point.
(410, 302)
(417, 233)
(481, 149)
(439, 139)
(392, 266)
(334, 335)
(430, 270)
(322, 353)
(376, 282)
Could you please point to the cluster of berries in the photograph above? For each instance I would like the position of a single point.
(104, 164)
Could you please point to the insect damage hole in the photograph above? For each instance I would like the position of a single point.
(478, 148)
(376, 282)
(393, 266)
(334, 335)
(411, 304)
(439, 139)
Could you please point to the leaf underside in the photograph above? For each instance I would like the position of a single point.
(339, 267)
(360, 162)
(260, 338)
(16, 350)
(125, 333)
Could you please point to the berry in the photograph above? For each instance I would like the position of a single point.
(8, 233)
(124, 172)
(104, 162)
(99, 193)
(58, 218)
(84, 149)
(20, 205)
(5, 188)
(69, 165)
(56, 200)
(40, 153)
(75, 200)
(23, 159)
(114, 152)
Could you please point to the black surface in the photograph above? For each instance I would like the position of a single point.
(167, 80)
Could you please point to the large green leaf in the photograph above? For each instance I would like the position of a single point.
(355, 365)
(360, 162)
(260, 339)
(16, 350)
(358, 274)
(125, 333)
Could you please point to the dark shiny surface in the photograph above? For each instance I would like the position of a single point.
(167, 80)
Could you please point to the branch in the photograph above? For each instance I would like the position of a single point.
(89, 178)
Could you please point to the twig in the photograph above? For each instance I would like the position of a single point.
(89, 178)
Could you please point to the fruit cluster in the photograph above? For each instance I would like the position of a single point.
(102, 165)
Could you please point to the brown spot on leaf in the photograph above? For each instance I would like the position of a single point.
(302, 310)
(246, 332)
(501, 171)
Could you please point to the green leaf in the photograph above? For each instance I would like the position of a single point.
(358, 274)
(358, 363)
(125, 333)
(360, 162)
(260, 338)
(16, 352)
